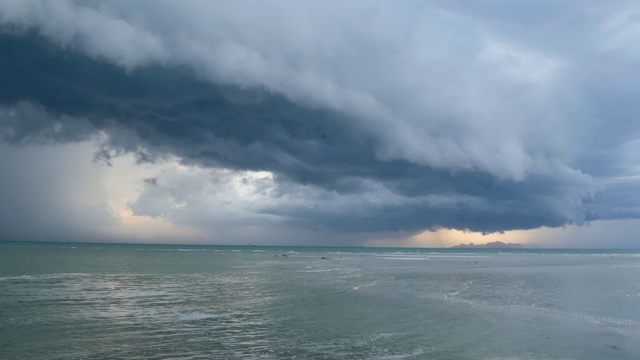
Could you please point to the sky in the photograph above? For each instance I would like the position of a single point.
(351, 123)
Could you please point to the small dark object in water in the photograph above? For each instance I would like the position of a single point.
(275, 255)
(285, 255)
(323, 258)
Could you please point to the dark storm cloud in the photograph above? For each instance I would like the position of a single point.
(480, 143)
(168, 110)
(158, 111)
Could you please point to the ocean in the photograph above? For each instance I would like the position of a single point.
(96, 301)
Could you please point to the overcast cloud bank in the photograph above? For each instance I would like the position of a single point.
(351, 117)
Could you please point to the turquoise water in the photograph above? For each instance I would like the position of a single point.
(82, 301)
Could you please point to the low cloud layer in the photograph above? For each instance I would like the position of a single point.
(350, 117)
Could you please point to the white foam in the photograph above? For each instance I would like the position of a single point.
(318, 270)
(363, 285)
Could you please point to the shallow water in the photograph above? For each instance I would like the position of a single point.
(69, 301)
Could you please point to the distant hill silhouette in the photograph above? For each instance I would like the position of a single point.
(490, 245)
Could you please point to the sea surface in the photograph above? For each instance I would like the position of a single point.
(84, 301)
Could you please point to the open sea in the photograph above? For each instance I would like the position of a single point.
(90, 301)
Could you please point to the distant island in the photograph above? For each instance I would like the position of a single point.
(489, 245)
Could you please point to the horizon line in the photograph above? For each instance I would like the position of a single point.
(519, 247)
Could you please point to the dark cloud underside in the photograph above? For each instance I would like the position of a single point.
(156, 111)
(372, 117)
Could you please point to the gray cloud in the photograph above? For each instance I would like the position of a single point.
(455, 69)
(373, 117)
(208, 198)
